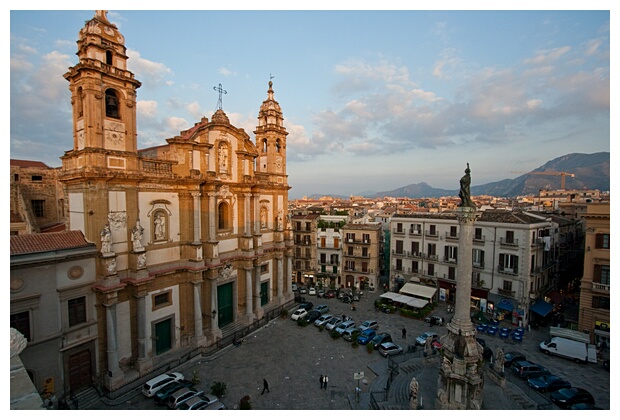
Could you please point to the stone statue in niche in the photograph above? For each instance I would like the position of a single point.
(223, 158)
(106, 239)
(263, 217)
(160, 227)
(136, 236)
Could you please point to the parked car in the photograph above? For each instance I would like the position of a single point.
(390, 349)
(366, 335)
(487, 353)
(294, 287)
(513, 356)
(421, 339)
(162, 395)
(320, 293)
(435, 320)
(344, 325)
(152, 386)
(299, 298)
(370, 324)
(330, 294)
(303, 290)
(548, 383)
(312, 291)
(525, 370)
(322, 308)
(180, 396)
(322, 320)
(198, 402)
(566, 397)
(344, 292)
(218, 405)
(381, 338)
(306, 305)
(349, 333)
(299, 313)
(333, 323)
(313, 315)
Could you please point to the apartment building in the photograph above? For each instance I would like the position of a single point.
(329, 250)
(595, 296)
(514, 260)
(304, 228)
(361, 257)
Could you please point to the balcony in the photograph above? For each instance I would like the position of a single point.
(431, 234)
(451, 261)
(509, 242)
(600, 287)
(478, 264)
(507, 270)
(450, 237)
(504, 292)
(479, 239)
(415, 232)
(401, 253)
(432, 257)
(399, 232)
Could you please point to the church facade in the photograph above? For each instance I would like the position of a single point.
(193, 235)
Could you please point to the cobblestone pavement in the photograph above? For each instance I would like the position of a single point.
(292, 358)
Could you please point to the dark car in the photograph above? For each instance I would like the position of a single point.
(548, 383)
(513, 356)
(381, 338)
(161, 395)
(435, 320)
(525, 370)
(487, 353)
(313, 316)
(566, 397)
(366, 335)
(306, 305)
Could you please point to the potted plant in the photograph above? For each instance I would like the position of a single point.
(218, 389)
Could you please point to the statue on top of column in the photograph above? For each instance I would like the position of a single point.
(464, 193)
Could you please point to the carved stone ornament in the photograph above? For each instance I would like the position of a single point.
(18, 342)
(117, 219)
(141, 261)
(75, 272)
(111, 266)
(17, 284)
(226, 272)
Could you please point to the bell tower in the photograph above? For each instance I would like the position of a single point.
(103, 98)
(271, 139)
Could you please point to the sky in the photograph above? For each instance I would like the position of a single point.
(373, 100)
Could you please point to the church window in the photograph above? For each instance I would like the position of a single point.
(278, 147)
(108, 57)
(223, 215)
(264, 145)
(111, 104)
(79, 106)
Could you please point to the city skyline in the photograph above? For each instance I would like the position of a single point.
(372, 100)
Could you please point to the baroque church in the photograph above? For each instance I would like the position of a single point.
(193, 235)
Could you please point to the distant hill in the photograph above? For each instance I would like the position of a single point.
(591, 171)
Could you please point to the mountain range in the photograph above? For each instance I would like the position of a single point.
(590, 171)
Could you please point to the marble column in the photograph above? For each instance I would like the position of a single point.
(460, 383)
(115, 377)
(143, 363)
(280, 274)
(215, 329)
(199, 337)
(249, 312)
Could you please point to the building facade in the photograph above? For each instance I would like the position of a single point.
(595, 295)
(514, 259)
(329, 250)
(53, 306)
(192, 235)
(361, 255)
(304, 228)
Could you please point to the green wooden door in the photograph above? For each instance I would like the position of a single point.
(224, 304)
(264, 293)
(163, 333)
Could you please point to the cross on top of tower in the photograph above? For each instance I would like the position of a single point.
(220, 90)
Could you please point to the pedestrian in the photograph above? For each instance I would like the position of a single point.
(404, 333)
(325, 380)
(265, 386)
(321, 381)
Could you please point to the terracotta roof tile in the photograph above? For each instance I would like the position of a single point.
(43, 242)
(28, 163)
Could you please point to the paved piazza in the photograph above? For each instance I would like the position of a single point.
(292, 358)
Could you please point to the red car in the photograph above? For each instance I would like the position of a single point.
(330, 294)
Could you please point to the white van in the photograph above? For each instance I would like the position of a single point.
(571, 349)
(151, 387)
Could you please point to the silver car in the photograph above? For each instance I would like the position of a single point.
(322, 320)
(333, 323)
(344, 326)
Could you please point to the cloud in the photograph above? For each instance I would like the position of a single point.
(148, 72)
(146, 109)
(546, 57)
(225, 72)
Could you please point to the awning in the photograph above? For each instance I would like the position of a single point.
(417, 303)
(390, 295)
(418, 290)
(402, 299)
(505, 304)
(555, 297)
(542, 308)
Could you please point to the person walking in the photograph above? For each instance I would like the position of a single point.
(404, 333)
(265, 386)
(325, 380)
(321, 381)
